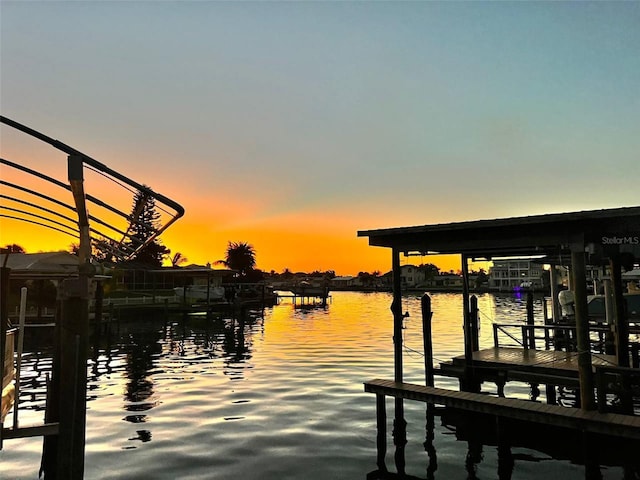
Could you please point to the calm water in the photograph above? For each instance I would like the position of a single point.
(201, 398)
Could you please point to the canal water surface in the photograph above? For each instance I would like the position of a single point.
(280, 397)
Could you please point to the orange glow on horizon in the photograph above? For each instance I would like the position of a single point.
(316, 236)
(302, 246)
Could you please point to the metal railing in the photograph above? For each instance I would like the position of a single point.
(138, 300)
(553, 335)
(46, 203)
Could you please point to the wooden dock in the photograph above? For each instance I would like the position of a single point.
(540, 366)
(298, 300)
(626, 426)
(557, 240)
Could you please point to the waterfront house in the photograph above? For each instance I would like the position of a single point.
(137, 277)
(411, 276)
(445, 281)
(511, 274)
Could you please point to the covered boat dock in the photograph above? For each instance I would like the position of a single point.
(608, 237)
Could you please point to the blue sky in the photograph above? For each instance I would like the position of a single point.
(348, 115)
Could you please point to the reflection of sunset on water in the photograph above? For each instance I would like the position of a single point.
(285, 391)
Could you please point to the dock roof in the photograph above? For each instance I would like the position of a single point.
(550, 234)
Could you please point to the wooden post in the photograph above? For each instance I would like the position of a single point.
(398, 317)
(19, 350)
(4, 323)
(555, 306)
(621, 322)
(587, 400)
(468, 383)
(466, 328)
(399, 423)
(474, 322)
(610, 319)
(76, 181)
(427, 339)
(505, 457)
(73, 378)
(52, 406)
(381, 439)
(530, 321)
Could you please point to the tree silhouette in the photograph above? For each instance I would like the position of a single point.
(104, 250)
(12, 248)
(240, 256)
(482, 278)
(430, 270)
(145, 225)
(177, 259)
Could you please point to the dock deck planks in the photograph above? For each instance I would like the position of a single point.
(627, 426)
(542, 361)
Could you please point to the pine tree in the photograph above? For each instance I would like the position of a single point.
(145, 225)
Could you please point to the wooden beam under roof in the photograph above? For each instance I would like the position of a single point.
(550, 234)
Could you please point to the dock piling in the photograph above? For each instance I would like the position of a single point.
(474, 320)
(530, 321)
(587, 399)
(427, 341)
(381, 439)
(399, 423)
(63, 456)
(620, 319)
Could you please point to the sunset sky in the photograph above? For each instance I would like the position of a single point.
(292, 125)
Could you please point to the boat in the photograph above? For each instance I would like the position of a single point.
(597, 309)
(307, 289)
(200, 293)
(8, 375)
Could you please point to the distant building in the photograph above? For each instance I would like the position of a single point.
(512, 274)
(166, 278)
(411, 276)
(338, 283)
(445, 281)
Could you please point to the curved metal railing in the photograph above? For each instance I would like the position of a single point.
(112, 227)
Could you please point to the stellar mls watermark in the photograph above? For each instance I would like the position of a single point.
(621, 240)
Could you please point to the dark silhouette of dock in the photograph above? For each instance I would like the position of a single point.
(575, 353)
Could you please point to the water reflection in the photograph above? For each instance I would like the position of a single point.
(140, 351)
(429, 446)
(143, 436)
(278, 397)
(488, 436)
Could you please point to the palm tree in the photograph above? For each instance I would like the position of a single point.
(240, 256)
(177, 259)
